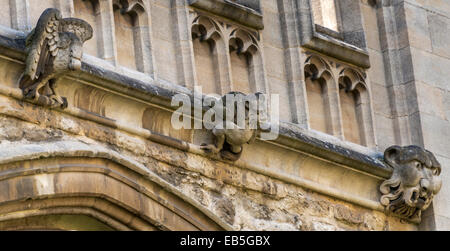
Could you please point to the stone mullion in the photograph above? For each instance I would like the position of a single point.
(230, 86)
(334, 100)
(184, 48)
(294, 63)
(258, 73)
(142, 45)
(144, 31)
(107, 36)
(223, 65)
(367, 123)
(143, 49)
(368, 115)
(264, 84)
(20, 14)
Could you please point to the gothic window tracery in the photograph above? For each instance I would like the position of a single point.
(227, 58)
(318, 77)
(338, 101)
(355, 107)
(205, 36)
(242, 50)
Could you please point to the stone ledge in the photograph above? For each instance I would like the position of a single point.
(298, 138)
(338, 49)
(231, 10)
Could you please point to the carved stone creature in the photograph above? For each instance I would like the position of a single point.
(414, 183)
(229, 137)
(54, 47)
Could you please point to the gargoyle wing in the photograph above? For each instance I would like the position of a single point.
(82, 29)
(42, 43)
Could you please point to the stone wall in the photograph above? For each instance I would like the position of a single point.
(426, 77)
(346, 94)
(241, 198)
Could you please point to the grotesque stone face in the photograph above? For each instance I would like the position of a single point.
(414, 183)
(239, 125)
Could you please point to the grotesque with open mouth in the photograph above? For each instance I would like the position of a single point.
(414, 183)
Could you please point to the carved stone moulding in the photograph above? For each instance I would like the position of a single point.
(414, 182)
(53, 48)
(230, 38)
(335, 77)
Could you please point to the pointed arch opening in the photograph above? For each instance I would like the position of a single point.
(132, 35)
(246, 63)
(350, 102)
(319, 92)
(355, 108)
(206, 38)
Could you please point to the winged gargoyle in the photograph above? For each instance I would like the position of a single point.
(54, 47)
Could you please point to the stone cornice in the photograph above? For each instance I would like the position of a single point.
(298, 138)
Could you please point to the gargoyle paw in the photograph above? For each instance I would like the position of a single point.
(30, 94)
(59, 101)
(209, 148)
(65, 104)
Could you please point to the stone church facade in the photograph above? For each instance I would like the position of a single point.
(87, 139)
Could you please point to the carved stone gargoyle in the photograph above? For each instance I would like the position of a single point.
(53, 48)
(229, 137)
(414, 182)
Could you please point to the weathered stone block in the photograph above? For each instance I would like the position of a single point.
(439, 6)
(439, 37)
(280, 87)
(274, 59)
(431, 100)
(160, 27)
(371, 30)
(436, 133)
(380, 96)
(430, 68)
(385, 131)
(441, 205)
(5, 13)
(417, 27)
(377, 72)
(272, 34)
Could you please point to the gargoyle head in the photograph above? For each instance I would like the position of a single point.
(250, 105)
(70, 42)
(414, 183)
